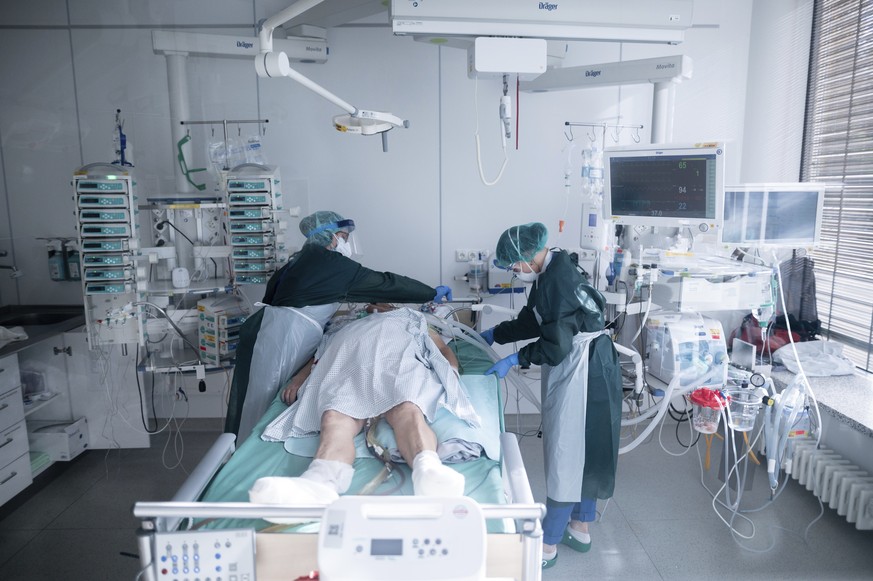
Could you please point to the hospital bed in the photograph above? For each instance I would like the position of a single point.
(492, 533)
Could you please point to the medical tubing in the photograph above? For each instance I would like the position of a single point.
(638, 365)
(645, 415)
(687, 448)
(478, 148)
(664, 402)
(660, 416)
(645, 317)
(713, 495)
(783, 437)
(802, 373)
(772, 436)
(472, 337)
(769, 435)
(172, 324)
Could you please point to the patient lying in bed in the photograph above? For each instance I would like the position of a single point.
(386, 364)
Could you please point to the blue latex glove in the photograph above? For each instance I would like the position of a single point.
(442, 291)
(502, 367)
(488, 335)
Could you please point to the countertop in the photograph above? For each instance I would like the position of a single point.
(38, 333)
(849, 398)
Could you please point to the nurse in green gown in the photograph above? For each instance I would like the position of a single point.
(300, 299)
(581, 381)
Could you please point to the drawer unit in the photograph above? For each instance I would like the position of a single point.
(13, 443)
(60, 441)
(11, 408)
(15, 473)
(15, 477)
(9, 375)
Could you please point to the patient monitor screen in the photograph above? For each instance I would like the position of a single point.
(664, 186)
(777, 216)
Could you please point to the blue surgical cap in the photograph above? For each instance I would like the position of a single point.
(320, 227)
(521, 243)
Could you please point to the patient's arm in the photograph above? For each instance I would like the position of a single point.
(289, 393)
(444, 349)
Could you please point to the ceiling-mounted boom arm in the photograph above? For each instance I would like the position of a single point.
(662, 72)
(269, 64)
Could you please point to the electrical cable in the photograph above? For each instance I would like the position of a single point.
(142, 410)
(478, 148)
(182, 234)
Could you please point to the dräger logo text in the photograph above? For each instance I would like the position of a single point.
(666, 66)
(243, 44)
(548, 6)
(592, 73)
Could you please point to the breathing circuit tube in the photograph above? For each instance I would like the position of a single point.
(473, 338)
(776, 431)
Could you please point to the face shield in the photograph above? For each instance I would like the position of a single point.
(343, 239)
(346, 244)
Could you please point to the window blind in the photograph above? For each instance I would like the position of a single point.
(838, 150)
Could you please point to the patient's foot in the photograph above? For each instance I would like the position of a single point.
(430, 477)
(334, 474)
(296, 491)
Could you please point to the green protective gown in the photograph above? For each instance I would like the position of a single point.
(562, 307)
(315, 276)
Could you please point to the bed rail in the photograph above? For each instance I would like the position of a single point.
(530, 548)
(199, 478)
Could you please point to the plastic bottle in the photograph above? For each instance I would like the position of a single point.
(74, 271)
(586, 173)
(56, 263)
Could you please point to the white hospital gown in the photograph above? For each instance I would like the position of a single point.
(370, 366)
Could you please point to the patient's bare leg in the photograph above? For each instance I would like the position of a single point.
(417, 444)
(333, 463)
(329, 474)
(338, 433)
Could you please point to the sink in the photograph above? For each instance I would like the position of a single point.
(35, 315)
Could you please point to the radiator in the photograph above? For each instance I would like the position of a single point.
(840, 484)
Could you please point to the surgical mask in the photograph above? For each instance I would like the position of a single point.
(343, 247)
(527, 277)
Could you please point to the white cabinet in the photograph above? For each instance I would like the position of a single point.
(15, 473)
(47, 360)
(103, 389)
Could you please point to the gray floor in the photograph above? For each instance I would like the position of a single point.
(660, 525)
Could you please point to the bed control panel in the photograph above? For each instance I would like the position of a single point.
(221, 555)
(420, 538)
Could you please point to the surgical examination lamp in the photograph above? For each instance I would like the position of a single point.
(269, 64)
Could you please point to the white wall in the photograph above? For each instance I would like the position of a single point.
(69, 65)
(776, 97)
(415, 205)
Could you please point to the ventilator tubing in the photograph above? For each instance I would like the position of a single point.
(665, 403)
(776, 432)
(473, 338)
